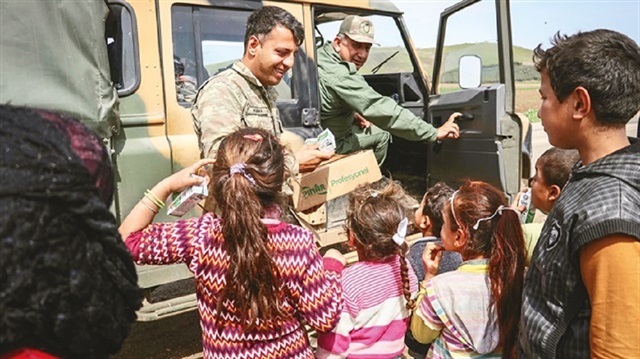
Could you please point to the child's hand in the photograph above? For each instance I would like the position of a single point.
(516, 199)
(431, 259)
(186, 177)
(335, 254)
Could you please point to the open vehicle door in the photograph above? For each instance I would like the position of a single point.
(490, 145)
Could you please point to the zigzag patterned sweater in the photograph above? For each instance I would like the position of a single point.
(313, 291)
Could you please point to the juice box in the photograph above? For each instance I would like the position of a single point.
(529, 212)
(188, 198)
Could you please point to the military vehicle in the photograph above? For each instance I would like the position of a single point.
(130, 68)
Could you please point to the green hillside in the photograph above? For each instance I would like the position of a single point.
(488, 52)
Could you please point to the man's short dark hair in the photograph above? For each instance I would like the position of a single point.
(265, 19)
(434, 200)
(605, 62)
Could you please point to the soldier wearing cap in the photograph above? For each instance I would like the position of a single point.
(349, 103)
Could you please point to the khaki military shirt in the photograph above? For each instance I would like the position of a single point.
(232, 99)
(343, 91)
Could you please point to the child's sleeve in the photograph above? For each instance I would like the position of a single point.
(166, 243)
(425, 323)
(335, 345)
(319, 292)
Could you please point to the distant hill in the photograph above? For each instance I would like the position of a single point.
(488, 52)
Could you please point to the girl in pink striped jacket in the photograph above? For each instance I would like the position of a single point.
(379, 290)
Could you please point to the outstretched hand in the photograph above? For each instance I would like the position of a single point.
(449, 129)
(186, 177)
(144, 211)
(309, 157)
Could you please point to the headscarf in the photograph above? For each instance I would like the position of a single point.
(68, 285)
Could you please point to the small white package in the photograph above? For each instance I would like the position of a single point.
(325, 140)
(529, 212)
(188, 198)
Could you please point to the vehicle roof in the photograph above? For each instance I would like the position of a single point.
(379, 5)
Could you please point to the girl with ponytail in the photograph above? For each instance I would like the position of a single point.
(258, 279)
(379, 290)
(474, 311)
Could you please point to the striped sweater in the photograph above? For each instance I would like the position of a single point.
(374, 318)
(313, 292)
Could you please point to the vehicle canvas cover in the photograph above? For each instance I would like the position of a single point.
(66, 67)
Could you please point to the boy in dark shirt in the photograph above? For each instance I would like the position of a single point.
(581, 291)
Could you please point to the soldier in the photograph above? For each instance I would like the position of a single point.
(348, 115)
(243, 96)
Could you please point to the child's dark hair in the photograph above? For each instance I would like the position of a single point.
(556, 165)
(246, 182)
(605, 62)
(434, 200)
(494, 232)
(373, 218)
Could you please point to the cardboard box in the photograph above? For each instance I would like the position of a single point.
(338, 176)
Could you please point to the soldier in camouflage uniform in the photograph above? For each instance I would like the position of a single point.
(349, 103)
(244, 95)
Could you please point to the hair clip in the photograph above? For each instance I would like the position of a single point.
(401, 232)
(256, 137)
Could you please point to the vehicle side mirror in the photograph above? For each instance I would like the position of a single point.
(469, 71)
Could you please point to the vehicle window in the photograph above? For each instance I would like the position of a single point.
(457, 45)
(122, 48)
(391, 46)
(207, 41)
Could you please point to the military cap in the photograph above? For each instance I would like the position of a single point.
(358, 29)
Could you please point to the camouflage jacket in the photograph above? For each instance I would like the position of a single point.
(229, 100)
(343, 91)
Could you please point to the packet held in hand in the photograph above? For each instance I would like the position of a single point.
(529, 212)
(188, 198)
(325, 140)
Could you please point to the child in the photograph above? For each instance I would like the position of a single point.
(428, 218)
(474, 310)
(379, 289)
(553, 170)
(68, 286)
(257, 279)
(584, 270)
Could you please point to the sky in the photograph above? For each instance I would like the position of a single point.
(532, 21)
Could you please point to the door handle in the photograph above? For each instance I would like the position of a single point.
(437, 146)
